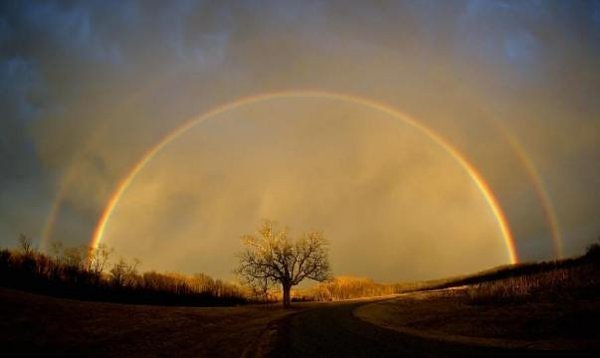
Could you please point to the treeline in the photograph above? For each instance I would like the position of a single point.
(84, 273)
(346, 287)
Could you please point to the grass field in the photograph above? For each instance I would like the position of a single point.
(35, 324)
(553, 305)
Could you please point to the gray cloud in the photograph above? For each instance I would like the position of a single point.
(87, 87)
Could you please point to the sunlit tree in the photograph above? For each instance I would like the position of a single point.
(97, 258)
(271, 256)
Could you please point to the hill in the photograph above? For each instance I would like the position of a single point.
(549, 305)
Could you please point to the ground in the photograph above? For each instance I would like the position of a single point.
(39, 324)
(45, 325)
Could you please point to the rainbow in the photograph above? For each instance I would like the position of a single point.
(63, 187)
(53, 214)
(477, 178)
(66, 179)
(539, 188)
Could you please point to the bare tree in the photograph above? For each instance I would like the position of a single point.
(272, 257)
(26, 245)
(75, 257)
(97, 258)
(56, 248)
(123, 273)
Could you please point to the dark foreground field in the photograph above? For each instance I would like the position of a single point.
(449, 316)
(33, 325)
(50, 326)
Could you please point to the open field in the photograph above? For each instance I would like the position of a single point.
(551, 307)
(33, 324)
(432, 323)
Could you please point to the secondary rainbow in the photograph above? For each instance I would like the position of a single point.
(539, 188)
(477, 178)
(75, 165)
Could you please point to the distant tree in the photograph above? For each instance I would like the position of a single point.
(260, 289)
(26, 245)
(124, 273)
(75, 257)
(593, 250)
(28, 262)
(97, 258)
(86, 258)
(56, 249)
(270, 257)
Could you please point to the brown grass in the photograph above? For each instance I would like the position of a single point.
(40, 325)
(567, 283)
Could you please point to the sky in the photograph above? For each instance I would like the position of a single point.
(88, 88)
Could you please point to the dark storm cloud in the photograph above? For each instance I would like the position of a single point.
(91, 85)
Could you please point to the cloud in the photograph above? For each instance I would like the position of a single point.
(87, 87)
(388, 197)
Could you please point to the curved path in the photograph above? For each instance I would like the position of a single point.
(333, 331)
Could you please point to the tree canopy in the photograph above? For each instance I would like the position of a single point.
(270, 257)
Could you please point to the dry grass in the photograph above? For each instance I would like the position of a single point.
(348, 287)
(566, 283)
(576, 282)
(33, 325)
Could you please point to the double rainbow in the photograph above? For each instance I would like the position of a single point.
(474, 174)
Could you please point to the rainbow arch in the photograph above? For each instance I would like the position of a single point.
(473, 173)
(70, 176)
(539, 189)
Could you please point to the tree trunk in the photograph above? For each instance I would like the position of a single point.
(286, 295)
